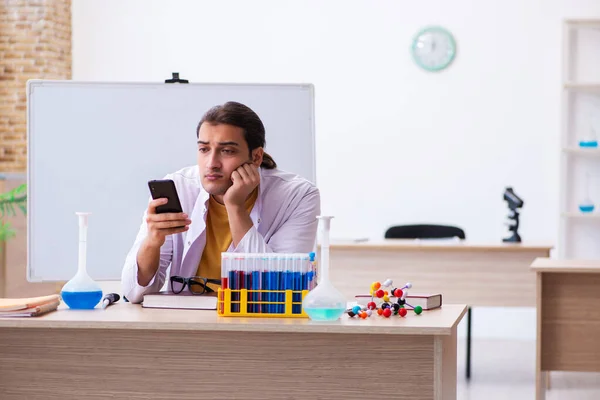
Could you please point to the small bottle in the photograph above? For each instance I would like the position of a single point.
(590, 140)
(586, 205)
(82, 292)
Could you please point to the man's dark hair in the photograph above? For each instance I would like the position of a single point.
(237, 114)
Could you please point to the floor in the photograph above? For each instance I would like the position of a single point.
(502, 369)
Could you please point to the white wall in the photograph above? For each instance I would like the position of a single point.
(395, 144)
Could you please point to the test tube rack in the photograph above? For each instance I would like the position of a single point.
(265, 284)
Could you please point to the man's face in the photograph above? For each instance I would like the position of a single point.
(221, 150)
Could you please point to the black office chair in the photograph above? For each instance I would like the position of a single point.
(429, 231)
(424, 231)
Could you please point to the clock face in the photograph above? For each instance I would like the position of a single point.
(433, 48)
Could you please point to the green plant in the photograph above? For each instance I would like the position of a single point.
(15, 198)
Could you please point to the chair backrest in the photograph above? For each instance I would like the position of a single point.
(424, 231)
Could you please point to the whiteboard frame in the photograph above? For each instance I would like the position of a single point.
(32, 84)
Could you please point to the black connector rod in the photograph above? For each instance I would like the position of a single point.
(176, 79)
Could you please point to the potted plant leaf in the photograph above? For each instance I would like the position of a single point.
(9, 202)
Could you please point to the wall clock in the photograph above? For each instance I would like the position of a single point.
(433, 48)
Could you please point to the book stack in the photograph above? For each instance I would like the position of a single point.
(184, 300)
(29, 307)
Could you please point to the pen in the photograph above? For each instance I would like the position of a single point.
(109, 299)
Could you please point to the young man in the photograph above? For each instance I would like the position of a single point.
(234, 200)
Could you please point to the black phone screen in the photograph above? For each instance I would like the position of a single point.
(165, 188)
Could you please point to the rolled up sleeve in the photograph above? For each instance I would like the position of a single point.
(132, 290)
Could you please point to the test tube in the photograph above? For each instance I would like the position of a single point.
(243, 274)
(248, 280)
(273, 258)
(281, 267)
(224, 271)
(289, 277)
(231, 279)
(295, 283)
(253, 283)
(224, 279)
(265, 282)
(274, 282)
(314, 271)
(237, 284)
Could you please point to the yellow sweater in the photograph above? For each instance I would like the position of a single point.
(218, 237)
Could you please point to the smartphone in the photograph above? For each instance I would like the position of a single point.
(165, 188)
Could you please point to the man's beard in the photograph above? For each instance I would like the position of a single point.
(220, 190)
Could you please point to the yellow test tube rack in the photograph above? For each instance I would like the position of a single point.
(244, 303)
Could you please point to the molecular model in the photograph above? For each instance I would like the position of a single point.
(390, 303)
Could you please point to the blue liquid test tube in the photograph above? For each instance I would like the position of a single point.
(255, 283)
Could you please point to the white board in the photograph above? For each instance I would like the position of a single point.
(94, 146)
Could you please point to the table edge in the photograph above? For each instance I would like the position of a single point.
(234, 324)
(438, 247)
(566, 270)
(151, 326)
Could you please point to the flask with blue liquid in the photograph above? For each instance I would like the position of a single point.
(586, 205)
(82, 292)
(589, 141)
(324, 302)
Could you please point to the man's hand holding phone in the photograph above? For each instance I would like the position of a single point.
(160, 225)
(164, 217)
(245, 179)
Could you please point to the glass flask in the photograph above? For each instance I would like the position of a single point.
(82, 292)
(586, 205)
(589, 140)
(324, 302)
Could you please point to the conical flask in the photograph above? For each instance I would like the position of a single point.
(82, 292)
(586, 205)
(589, 139)
(324, 302)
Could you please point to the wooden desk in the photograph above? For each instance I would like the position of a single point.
(466, 273)
(568, 317)
(127, 352)
(475, 274)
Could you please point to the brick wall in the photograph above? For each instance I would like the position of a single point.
(35, 43)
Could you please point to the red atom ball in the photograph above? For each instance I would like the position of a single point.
(398, 293)
(371, 305)
(387, 312)
(402, 312)
(380, 293)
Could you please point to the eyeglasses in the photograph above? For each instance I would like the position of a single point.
(197, 284)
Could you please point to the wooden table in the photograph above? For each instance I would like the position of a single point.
(485, 275)
(476, 274)
(568, 317)
(128, 352)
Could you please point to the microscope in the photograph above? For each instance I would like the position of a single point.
(514, 203)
